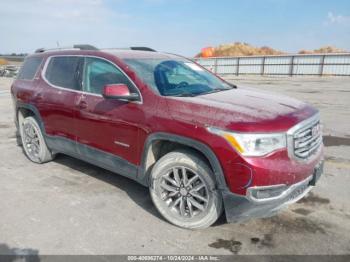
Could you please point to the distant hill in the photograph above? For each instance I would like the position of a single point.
(244, 49)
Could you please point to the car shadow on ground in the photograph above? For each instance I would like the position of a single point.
(9, 254)
(138, 193)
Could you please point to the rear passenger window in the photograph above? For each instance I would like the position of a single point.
(62, 71)
(29, 68)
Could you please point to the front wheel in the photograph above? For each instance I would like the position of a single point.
(183, 189)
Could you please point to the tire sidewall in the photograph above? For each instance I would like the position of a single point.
(192, 162)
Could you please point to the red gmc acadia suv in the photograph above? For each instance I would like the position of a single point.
(201, 144)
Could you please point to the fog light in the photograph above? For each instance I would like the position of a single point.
(271, 192)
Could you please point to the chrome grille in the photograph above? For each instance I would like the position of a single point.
(306, 138)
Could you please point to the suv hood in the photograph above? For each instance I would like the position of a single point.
(241, 109)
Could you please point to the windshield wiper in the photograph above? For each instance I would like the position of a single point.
(184, 94)
(188, 94)
(215, 91)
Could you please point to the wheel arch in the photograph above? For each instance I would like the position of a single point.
(158, 144)
(29, 110)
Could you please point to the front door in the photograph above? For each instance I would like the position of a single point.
(107, 129)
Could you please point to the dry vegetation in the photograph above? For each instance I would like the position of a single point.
(3, 61)
(244, 49)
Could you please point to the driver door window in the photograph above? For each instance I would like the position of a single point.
(98, 73)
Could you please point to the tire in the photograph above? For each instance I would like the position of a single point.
(189, 201)
(33, 142)
(18, 138)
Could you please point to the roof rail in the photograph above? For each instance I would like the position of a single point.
(142, 48)
(80, 47)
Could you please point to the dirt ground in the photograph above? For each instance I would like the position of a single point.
(70, 207)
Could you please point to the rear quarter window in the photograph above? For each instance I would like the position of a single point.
(62, 71)
(29, 68)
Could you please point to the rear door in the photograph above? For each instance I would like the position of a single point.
(108, 125)
(25, 89)
(60, 90)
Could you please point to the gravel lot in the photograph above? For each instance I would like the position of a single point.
(70, 207)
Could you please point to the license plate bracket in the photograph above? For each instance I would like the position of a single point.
(317, 174)
(297, 192)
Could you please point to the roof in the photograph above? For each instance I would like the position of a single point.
(119, 53)
(139, 52)
(130, 54)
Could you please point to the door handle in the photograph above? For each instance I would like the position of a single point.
(39, 97)
(82, 105)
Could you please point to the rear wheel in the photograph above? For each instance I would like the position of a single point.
(183, 189)
(33, 141)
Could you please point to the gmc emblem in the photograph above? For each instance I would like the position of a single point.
(316, 130)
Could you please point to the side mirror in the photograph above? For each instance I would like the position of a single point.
(119, 92)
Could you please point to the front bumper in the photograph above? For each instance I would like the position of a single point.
(239, 208)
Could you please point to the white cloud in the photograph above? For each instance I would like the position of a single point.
(337, 19)
(29, 24)
(83, 10)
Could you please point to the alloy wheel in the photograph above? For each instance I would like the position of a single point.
(31, 141)
(184, 192)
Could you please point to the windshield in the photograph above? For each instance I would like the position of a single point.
(176, 77)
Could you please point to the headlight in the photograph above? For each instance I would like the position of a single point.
(250, 144)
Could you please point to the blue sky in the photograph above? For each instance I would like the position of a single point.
(178, 26)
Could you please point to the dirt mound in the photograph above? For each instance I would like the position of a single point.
(323, 50)
(242, 49)
(3, 61)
